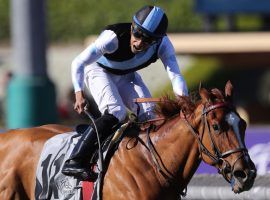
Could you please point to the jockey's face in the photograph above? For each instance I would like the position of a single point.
(139, 41)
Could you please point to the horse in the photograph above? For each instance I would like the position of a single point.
(152, 163)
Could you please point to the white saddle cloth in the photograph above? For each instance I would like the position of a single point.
(51, 184)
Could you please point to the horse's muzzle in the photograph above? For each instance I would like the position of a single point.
(242, 179)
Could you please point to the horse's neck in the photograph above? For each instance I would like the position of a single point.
(178, 149)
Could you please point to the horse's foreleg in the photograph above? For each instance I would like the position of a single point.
(10, 186)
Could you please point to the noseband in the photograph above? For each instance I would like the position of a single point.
(218, 156)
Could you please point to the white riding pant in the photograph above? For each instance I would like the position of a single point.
(116, 92)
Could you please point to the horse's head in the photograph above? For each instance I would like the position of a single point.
(221, 133)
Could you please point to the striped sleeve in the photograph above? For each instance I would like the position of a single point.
(107, 42)
(167, 55)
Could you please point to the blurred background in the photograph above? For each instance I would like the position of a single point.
(215, 41)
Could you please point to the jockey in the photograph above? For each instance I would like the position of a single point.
(108, 67)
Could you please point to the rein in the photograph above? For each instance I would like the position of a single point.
(217, 157)
(171, 179)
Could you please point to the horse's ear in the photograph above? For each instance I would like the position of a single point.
(204, 95)
(229, 89)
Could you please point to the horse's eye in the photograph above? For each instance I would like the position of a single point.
(216, 127)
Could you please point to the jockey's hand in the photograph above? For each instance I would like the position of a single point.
(80, 102)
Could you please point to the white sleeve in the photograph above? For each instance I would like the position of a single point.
(167, 55)
(107, 42)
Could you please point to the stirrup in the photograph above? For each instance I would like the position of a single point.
(82, 174)
(79, 171)
(88, 175)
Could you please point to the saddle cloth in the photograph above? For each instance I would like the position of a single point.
(51, 184)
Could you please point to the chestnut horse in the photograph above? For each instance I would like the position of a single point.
(148, 165)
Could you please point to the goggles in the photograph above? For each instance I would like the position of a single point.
(138, 33)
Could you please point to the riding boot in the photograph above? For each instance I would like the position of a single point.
(78, 164)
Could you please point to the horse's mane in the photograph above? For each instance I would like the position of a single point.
(169, 106)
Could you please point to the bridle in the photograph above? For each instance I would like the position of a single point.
(218, 156)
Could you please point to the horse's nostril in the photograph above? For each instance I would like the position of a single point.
(239, 174)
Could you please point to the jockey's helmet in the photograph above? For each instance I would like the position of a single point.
(152, 21)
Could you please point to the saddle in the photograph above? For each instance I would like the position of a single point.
(108, 145)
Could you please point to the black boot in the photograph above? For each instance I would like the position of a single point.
(78, 165)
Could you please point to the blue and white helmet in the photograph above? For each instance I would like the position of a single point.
(152, 20)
